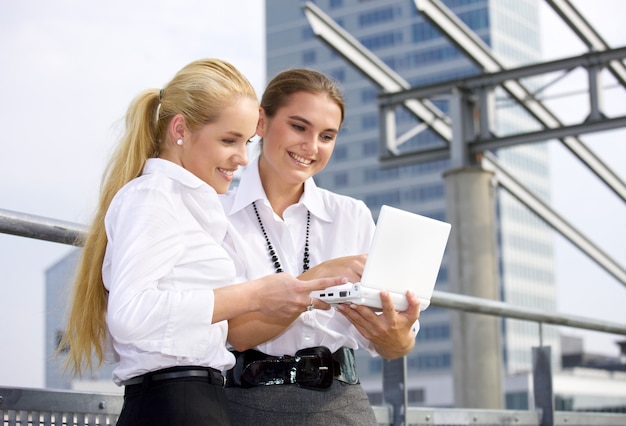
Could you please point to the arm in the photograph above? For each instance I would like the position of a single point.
(391, 332)
(278, 295)
(250, 330)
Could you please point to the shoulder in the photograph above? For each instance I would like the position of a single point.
(344, 206)
(152, 183)
(148, 191)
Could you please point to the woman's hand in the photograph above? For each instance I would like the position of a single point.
(350, 267)
(284, 296)
(279, 300)
(391, 331)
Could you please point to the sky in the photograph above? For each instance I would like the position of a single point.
(70, 68)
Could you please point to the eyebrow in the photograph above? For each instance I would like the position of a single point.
(305, 121)
(239, 135)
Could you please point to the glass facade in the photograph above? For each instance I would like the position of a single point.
(402, 38)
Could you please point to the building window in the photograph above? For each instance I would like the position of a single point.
(341, 179)
(382, 40)
(376, 365)
(434, 332)
(338, 74)
(377, 16)
(369, 94)
(415, 396)
(307, 33)
(308, 57)
(424, 31)
(340, 154)
(425, 193)
(369, 121)
(387, 197)
(370, 149)
(518, 401)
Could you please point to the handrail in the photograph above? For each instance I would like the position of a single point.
(52, 407)
(43, 228)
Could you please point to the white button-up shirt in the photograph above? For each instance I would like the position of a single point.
(340, 226)
(163, 259)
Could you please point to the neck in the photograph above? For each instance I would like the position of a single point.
(280, 194)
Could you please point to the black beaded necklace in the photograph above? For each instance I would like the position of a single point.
(270, 248)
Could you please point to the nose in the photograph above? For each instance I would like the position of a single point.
(241, 157)
(309, 145)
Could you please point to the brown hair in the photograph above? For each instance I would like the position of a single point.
(288, 82)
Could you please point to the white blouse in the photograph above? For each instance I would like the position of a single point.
(340, 226)
(163, 259)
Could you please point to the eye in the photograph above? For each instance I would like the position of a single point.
(327, 137)
(298, 127)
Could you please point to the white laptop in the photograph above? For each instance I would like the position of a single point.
(406, 254)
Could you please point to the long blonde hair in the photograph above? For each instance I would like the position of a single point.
(200, 92)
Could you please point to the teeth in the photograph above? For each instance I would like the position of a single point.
(300, 159)
(227, 172)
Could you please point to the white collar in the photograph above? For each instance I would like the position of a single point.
(250, 190)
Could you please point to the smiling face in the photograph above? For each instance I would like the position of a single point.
(216, 150)
(298, 140)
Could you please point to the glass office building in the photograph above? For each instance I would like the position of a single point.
(396, 32)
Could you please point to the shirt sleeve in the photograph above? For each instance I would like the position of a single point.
(148, 307)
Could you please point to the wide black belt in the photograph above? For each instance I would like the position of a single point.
(310, 368)
(211, 375)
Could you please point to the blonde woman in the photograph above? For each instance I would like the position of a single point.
(153, 289)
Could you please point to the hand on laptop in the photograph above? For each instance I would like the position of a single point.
(390, 331)
(286, 296)
(350, 267)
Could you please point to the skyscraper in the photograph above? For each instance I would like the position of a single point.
(59, 278)
(396, 32)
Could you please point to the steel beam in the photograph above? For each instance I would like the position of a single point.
(477, 51)
(577, 22)
(553, 219)
(373, 68)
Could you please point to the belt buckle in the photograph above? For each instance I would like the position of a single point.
(268, 372)
(314, 368)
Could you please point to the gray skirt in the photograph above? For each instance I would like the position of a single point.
(279, 405)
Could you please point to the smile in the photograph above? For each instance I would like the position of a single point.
(299, 159)
(226, 172)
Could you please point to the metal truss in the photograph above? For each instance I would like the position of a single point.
(466, 140)
(477, 51)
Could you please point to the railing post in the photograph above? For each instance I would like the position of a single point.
(394, 389)
(542, 384)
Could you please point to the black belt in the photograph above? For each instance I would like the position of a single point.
(211, 375)
(310, 368)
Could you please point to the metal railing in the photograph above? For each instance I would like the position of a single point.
(24, 406)
(48, 407)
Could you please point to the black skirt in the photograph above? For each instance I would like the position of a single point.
(186, 401)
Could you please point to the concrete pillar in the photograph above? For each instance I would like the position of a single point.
(473, 271)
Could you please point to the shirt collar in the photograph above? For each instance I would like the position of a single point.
(175, 172)
(250, 190)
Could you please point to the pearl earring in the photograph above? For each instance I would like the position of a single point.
(179, 142)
